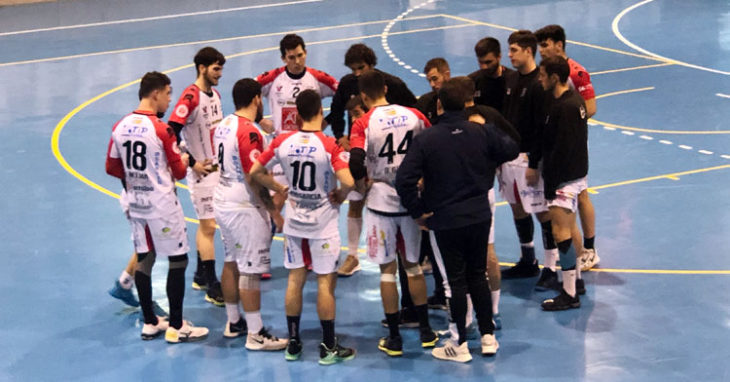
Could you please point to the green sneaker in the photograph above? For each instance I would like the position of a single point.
(293, 350)
(335, 355)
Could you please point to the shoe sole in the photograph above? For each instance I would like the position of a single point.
(352, 272)
(213, 301)
(264, 348)
(409, 325)
(187, 339)
(197, 286)
(336, 360)
(292, 357)
(390, 352)
(147, 337)
(428, 345)
(451, 358)
(564, 307)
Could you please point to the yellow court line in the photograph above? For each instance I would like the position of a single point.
(646, 271)
(625, 92)
(672, 176)
(632, 68)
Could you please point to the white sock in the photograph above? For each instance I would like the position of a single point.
(578, 273)
(234, 315)
(469, 310)
(454, 332)
(354, 227)
(569, 282)
(126, 280)
(495, 300)
(255, 324)
(551, 258)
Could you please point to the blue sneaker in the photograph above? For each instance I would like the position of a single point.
(497, 319)
(125, 295)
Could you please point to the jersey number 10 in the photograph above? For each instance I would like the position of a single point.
(303, 178)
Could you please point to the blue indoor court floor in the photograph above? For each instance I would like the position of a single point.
(656, 309)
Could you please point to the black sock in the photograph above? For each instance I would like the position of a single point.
(548, 241)
(422, 314)
(393, 320)
(199, 265)
(209, 271)
(328, 333)
(144, 292)
(292, 324)
(588, 242)
(175, 295)
(525, 232)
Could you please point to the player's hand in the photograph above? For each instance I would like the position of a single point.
(267, 125)
(337, 196)
(420, 185)
(278, 221)
(185, 158)
(422, 221)
(282, 190)
(344, 142)
(203, 168)
(532, 176)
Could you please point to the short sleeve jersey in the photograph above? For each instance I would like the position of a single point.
(580, 80)
(309, 161)
(146, 147)
(385, 133)
(238, 143)
(199, 113)
(282, 88)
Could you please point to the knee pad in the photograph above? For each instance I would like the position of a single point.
(249, 281)
(178, 262)
(145, 261)
(413, 270)
(387, 278)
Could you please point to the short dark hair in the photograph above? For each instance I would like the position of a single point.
(152, 81)
(438, 63)
(360, 53)
(207, 57)
(452, 95)
(556, 65)
(354, 102)
(372, 83)
(291, 42)
(467, 87)
(553, 32)
(525, 39)
(308, 104)
(244, 91)
(487, 45)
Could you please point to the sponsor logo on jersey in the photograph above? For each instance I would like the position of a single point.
(166, 230)
(205, 109)
(181, 111)
(345, 156)
(582, 112)
(254, 154)
(326, 246)
(253, 137)
(238, 246)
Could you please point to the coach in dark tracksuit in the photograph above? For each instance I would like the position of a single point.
(457, 160)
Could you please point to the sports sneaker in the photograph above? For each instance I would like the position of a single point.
(263, 340)
(580, 286)
(125, 295)
(497, 321)
(335, 355)
(562, 301)
(589, 259)
(408, 319)
(489, 345)
(428, 339)
(187, 333)
(293, 350)
(392, 346)
(214, 295)
(349, 267)
(453, 352)
(234, 330)
(151, 331)
(437, 302)
(199, 281)
(548, 280)
(522, 269)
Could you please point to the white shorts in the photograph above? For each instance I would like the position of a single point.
(324, 253)
(514, 189)
(493, 207)
(201, 193)
(566, 195)
(169, 234)
(246, 235)
(388, 235)
(355, 196)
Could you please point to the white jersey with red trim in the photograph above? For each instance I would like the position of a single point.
(309, 161)
(282, 88)
(199, 113)
(147, 148)
(238, 143)
(385, 133)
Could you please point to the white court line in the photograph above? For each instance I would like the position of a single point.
(646, 137)
(157, 17)
(685, 147)
(722, 95)
(705, 152)
(666, 142)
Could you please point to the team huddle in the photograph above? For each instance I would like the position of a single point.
(424, 169)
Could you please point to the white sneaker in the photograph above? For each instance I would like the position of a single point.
(489, 345)
(263, 340)
(150, 331)
(187, 333)
(452, 352)
(589, 259)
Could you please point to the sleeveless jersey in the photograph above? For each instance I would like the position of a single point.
(309, 161)
(199, 113)
(385, 133)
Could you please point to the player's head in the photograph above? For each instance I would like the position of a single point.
(246, 92)
(437, 71)
(489, 54)
(522, 46)
(553, 70)
(360, 59)
(155, 87)
(209, 64)
(309, 105)
(551, 40)
(467, 88)
(356, 107)
(372, 87)
(452, 96)
(293, 53)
